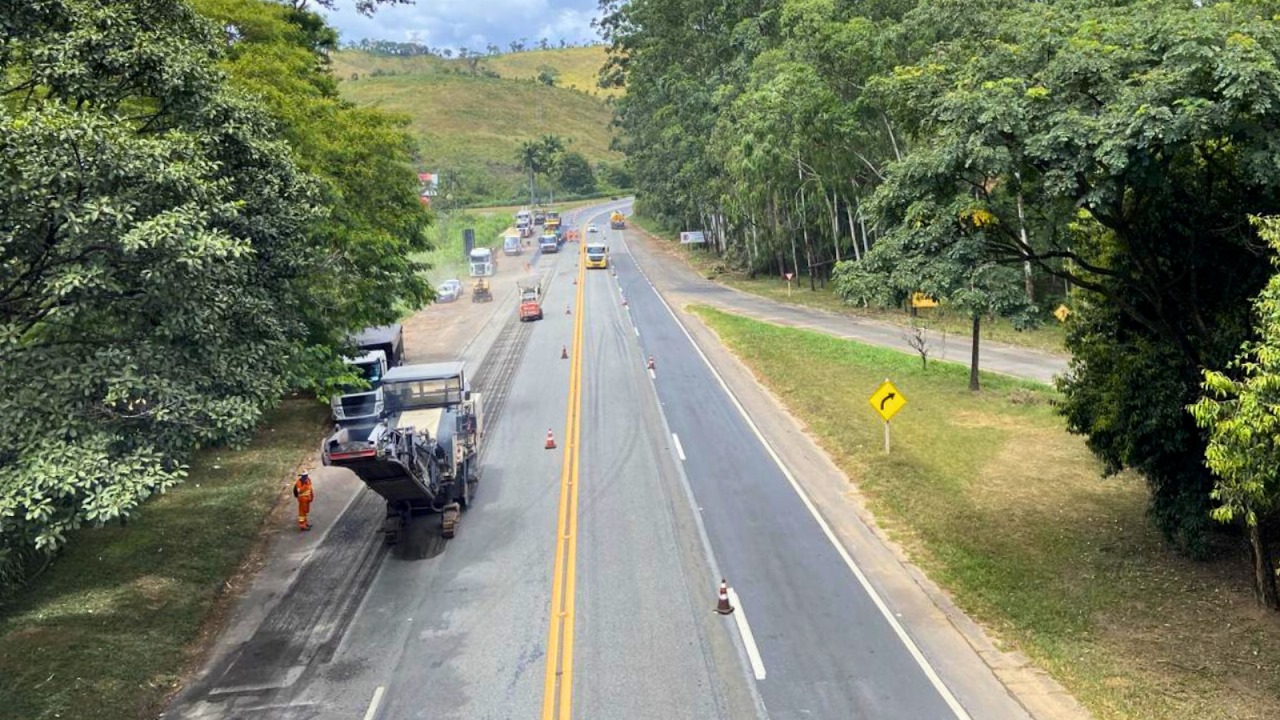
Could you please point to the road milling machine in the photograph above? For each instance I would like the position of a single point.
(421, 456)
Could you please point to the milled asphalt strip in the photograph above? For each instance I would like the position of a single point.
(912, 648)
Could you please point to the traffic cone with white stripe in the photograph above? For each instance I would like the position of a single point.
(551, 440)
(722, 606)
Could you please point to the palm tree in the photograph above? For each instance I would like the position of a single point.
(529, 155)
(552, 148)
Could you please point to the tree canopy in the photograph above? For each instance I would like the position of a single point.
(174, 252)
(990, 153)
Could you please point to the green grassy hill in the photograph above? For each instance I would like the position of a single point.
(469, 126)
(578, 67)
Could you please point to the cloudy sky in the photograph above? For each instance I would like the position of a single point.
(470, 23)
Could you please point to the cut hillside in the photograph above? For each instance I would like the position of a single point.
(469, 125)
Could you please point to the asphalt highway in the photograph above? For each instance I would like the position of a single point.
(583, 580)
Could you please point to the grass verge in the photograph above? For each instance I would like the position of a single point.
(108, 630)
(1049, 337)
(1007, 511)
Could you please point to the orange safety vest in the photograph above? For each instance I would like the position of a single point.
(302, 490)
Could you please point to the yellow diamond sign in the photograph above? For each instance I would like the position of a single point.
(1062, 313)
(886, 400)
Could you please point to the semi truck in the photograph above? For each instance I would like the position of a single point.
(597, 255)
(618, 221)
(549, 243)
(553, 220)
(511, 245)
(422, 456)
(381, 348)
(482, 263)
(524, 219)
(530, 299)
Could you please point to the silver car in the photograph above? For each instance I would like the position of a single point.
(448, 291)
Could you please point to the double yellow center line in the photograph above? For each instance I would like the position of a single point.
(557, 695)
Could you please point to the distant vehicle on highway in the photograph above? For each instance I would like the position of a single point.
(449, 291)
(483, 263)
(549, 243)
(597, 255)
(593, 228)
(530, 299)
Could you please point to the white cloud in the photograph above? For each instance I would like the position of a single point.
(470, 23)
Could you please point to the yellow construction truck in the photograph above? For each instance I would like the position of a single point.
(618, 221)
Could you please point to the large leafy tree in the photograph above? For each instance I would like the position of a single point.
(374, 222)
(574, 173)
(152, 256)
(1121, 148)
(175, 250)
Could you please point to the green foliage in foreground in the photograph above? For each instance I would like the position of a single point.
(168, 264)
(106, 631)
(1242, 415)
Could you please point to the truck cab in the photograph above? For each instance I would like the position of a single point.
(553, 220)
(597, 255)
(524, 219)
(549, 243)
(482, 262)
(511, 245)
(384, 349)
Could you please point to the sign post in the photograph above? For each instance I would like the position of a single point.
(887, 401)
(788, 276)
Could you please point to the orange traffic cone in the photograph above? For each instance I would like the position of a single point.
(551, 440)
(722, 606)
(650, 366)
(564, 352)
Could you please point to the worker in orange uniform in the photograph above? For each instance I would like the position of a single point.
(302, 490)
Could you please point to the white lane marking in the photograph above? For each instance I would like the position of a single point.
(753, 652)
(679, 448)
(637, 331)
(888, 615)
(372, 712)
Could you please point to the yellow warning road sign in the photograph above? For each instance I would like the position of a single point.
(1062, 313)
(920, 300)
(886, 400)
